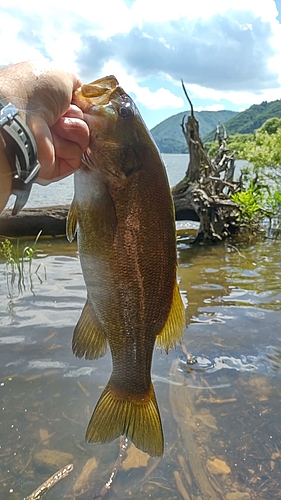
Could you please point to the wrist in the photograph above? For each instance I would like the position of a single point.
(20, 151)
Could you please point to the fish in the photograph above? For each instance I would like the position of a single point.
(123, 214)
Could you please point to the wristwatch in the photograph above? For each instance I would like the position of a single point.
(21, 152)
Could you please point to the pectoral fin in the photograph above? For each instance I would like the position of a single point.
(71, 222)
(174, 326)
(88, 338)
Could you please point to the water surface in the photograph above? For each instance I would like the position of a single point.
(221, 417)
(60, 193)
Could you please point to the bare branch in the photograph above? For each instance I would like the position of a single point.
(186, 95)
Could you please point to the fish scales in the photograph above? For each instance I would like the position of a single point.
(124, 216)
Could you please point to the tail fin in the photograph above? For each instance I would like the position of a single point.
(137, 418)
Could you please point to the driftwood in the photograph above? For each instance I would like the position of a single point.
(51, 220)
(207, 185)
(29, 221)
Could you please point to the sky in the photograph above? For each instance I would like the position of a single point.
(227, 52)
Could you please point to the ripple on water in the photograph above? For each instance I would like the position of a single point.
(228, 403)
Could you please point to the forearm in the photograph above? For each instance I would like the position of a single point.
(43, 96)
(10, 91)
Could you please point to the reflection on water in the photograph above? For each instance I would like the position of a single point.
(221, 416)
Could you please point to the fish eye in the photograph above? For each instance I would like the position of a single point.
(125, 110)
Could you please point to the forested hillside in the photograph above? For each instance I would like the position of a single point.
(249, 120)
(168, 134)
(170, 139)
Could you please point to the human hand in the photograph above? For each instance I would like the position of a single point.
(44, 94)
(60, 146)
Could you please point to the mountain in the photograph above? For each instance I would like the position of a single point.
(168, 134)
(249, 120)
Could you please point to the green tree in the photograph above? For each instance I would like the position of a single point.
(235, 143)
(271, 125)
(264, 152)
(261, 192)
(262, 179)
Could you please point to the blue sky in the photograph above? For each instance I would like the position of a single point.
(228, 52)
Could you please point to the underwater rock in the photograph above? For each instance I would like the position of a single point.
(217, 466)
(135, 459)
(51, 460)
(83, 479)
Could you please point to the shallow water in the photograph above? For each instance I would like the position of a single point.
(221, 416)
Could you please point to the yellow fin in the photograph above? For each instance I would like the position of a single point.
(71, 222)
(88, 338)
(137, 419)
(174, 326)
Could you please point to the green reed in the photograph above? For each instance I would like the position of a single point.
(19, 260)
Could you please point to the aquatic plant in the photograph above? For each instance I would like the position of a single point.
(253, 203)
(19, 261)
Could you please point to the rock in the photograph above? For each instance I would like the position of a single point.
(237, 495)
(83, 478)
(51, 460)
(135, 459)
(217, 466)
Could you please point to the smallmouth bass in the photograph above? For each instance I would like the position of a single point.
(124, 217)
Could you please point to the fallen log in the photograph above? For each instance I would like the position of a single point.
(52, 221)
(29, 221)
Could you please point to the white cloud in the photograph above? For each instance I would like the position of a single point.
(232, 52)
(211, 107)
(238, 98)
(15, 50)
(158, 11)
(160, 99)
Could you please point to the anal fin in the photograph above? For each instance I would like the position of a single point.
(88, 338)
(174, 326)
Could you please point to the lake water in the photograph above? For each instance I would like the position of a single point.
(221, 417)
(61, 192)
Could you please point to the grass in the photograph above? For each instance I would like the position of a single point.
(19, 262)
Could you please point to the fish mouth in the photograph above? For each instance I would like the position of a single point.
(98, 92)
(108, 112)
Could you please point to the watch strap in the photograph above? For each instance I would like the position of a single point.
(21, 152)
